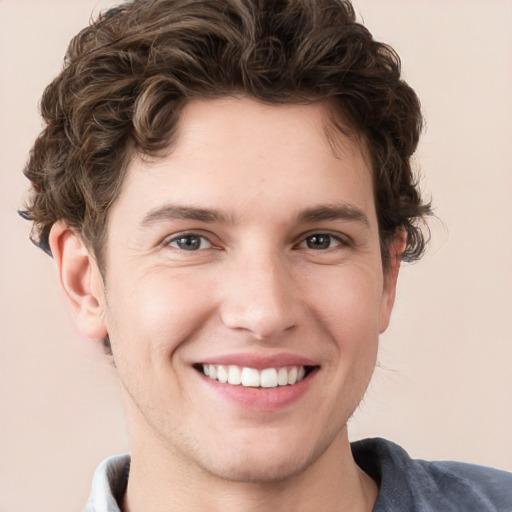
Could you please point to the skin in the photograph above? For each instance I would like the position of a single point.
(271, 276)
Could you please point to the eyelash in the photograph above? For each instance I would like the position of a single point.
(339, 240)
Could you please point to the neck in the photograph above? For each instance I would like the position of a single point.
(163, 482)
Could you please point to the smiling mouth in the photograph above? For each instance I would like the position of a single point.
(254, 378)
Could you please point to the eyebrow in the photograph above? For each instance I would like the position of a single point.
(179, 212)
(334, 212)
(309, 215)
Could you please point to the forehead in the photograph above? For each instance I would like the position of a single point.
(242, 124)
(243, 156)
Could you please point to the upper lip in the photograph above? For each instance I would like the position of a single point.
(259, 361)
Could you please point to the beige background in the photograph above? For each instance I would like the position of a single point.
(445, 386)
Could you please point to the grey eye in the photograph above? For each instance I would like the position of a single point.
(320, 241)
(190, 242)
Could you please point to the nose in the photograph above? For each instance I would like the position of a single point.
(260, 297)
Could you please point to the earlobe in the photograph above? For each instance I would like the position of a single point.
(396, 249)
(80, 279)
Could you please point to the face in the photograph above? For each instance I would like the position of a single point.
(244, 290)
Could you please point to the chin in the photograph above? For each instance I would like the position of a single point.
(259, 471)
(261, 464)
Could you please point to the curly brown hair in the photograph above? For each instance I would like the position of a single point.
(127, 76)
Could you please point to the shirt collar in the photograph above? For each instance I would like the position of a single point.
(109, 485)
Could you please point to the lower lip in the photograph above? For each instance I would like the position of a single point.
(264, 399)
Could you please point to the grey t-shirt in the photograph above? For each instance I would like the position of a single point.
(405, 484)
(409, 485)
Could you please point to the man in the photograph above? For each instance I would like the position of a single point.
(227, 192)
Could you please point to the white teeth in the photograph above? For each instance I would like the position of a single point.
(282, 376)
(250, 377)
(234, 375)
(292, 375)
(268, 378)
(222, 374)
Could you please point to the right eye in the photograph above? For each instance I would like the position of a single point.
(190, 242)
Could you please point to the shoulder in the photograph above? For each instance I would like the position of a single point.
(424, 486)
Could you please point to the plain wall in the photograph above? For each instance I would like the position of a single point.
(444, 386)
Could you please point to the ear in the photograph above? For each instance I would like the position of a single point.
(396, 249)
(80, 279)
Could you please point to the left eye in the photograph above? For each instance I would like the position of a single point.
(320, 242)
(190, 242)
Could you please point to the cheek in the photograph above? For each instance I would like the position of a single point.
(348, 311)
(157, 313)
(348, 308)
(350, 302)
